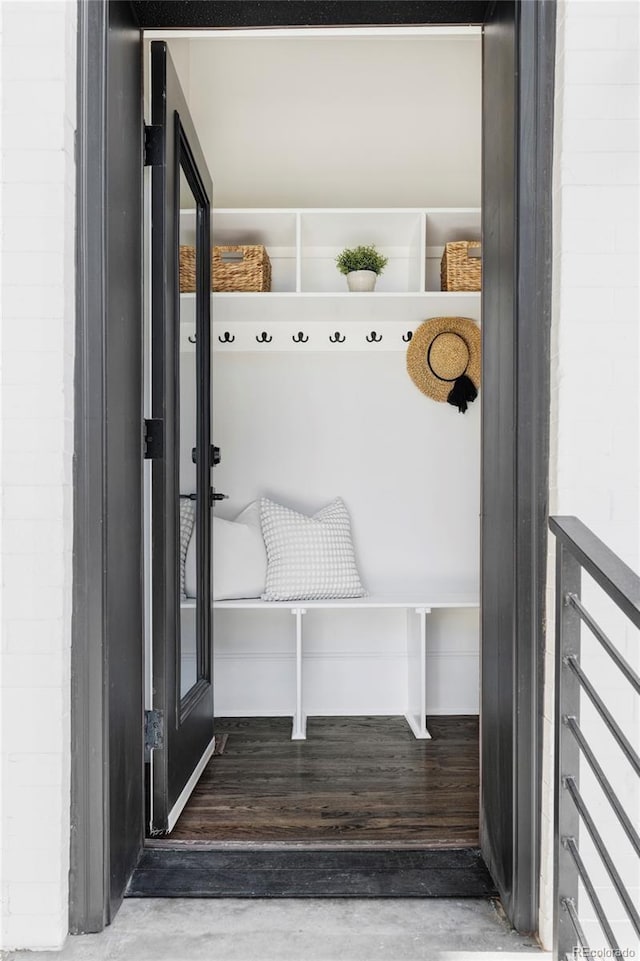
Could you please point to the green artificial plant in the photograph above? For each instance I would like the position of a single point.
(361, 258)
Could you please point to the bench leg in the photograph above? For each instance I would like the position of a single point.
(299, 728)
(416, 715)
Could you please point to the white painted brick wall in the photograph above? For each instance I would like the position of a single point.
(595, 412)
(36, 398)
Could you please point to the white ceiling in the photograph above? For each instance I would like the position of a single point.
(337, 121)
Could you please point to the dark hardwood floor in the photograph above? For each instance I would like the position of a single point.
(358, 780)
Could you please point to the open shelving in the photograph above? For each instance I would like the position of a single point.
(308, 293)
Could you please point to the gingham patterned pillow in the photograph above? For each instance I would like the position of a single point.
(187, 520)
(308, 558)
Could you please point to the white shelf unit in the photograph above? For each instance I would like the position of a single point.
(309, 297)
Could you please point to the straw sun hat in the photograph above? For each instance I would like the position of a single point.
(443, 360)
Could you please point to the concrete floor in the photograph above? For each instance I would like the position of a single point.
(299, 930)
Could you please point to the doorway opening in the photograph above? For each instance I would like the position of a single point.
(353, 722)
(517, 93)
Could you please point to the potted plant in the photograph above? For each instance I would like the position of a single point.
(361, 266)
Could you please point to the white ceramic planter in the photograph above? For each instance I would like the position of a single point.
(359, 280)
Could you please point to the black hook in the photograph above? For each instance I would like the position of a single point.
(407, 337)
(264, 338)
(191, 339)
(227, 338)
(337, 338)
(374, 338)
(299, 338)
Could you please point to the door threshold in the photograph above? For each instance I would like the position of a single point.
(200, 844)
(181, 871)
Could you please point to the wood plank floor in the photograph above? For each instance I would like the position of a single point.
(354, 781)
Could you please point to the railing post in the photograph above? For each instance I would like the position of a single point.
(567, 751)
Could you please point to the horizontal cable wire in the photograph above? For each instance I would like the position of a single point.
(623, 894)
(604, 783)
(598, 633)
(633, 759)
(572, 848)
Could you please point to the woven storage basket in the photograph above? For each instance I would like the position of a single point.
(458, 270)
(240, 268)
(245, 268)
(187, 269)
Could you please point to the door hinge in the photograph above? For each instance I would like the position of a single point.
(153, 145)
(153, 730)
(152, 438)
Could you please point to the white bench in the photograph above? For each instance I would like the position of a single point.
(418, 606)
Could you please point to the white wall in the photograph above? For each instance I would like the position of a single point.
(595, 423)
(337, 122)
(303, 429)
(391, 121)
(38, 182)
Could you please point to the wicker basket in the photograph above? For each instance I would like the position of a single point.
(246, 268)
(239, 268)
(187, 269)
(460, 270)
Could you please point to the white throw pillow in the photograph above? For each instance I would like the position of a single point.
(309, 558)
(239, 559)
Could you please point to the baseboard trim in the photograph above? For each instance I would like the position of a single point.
(448, 711)
(334, 655)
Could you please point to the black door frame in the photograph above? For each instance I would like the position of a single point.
(100, 857)
(519, 48)
(107, 685)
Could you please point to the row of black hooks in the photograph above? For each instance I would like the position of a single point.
(302, 338)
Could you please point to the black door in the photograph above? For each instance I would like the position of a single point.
(181, 483)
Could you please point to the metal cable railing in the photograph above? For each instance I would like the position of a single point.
(578, 549)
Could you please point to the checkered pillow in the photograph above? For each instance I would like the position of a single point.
(308, 558)
(187, 520)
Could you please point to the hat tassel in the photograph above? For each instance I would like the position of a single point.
(462, 393)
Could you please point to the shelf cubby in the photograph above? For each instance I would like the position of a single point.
(277, 230)
(444, 225)
(396, 233)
